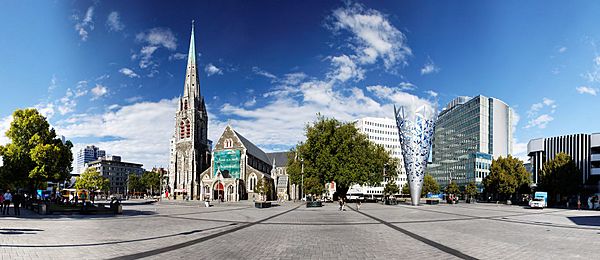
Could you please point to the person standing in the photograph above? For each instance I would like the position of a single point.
(358, 203)
(1, 202)
(7, 200)
(17, 199)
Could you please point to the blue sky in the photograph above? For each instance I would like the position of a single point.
(109, 73)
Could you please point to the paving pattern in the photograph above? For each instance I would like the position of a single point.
(187, 230)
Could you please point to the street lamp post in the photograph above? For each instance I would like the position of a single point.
(302, 186)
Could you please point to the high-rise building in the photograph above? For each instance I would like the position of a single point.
(116, 171)
(469, 134)
(86, 155)
(190, 154)
(584, 149)
(383, 131)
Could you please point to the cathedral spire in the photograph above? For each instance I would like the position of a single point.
(192, 86)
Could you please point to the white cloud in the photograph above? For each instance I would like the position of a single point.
(85, 24)
(177, 56)
(4, 126)
(67, 103)
(263, 73)
(113, 21)
(374, 37)
(158, 37)
(99, 91)
(519, 150)
(593, 76)
(546, 103)
(587, 90)
(407, 86)
(134, 99)
(129, 73)
(250, 102)
(138, 132)
(46, 109)
(53, 83)
(431, 93)
(212, 70)
(153, 39)
(562, 49)
(292, 79)
(345, 69)
(540, 121)
(429, 68)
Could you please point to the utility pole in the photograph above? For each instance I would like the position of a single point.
(302, 170)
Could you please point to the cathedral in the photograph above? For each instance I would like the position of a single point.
(190, 149)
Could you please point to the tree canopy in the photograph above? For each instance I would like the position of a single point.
(507, 175)
(453, 188)
(560, 176)
(35, 155)
(134, 183)
(391, 188)
(91, 180)
(429, 185)
(471, 189)
(151, 181)
(336, 151)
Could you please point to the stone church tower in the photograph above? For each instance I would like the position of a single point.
(190, 154)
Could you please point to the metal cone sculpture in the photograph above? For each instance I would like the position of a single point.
(415, 125)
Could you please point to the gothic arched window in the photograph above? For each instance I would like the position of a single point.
(228, 143)
(181, 130)
(187, 128)
(252, 182)
(185, 105)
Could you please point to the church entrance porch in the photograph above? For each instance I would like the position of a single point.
(219, 191)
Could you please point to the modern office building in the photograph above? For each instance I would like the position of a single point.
(584, 149)
(86, 155)
(469, 134)
(116, 171)
(383, 131)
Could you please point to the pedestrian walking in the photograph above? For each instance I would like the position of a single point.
(340, 201)
(578, 202)
(7, 200)
(358, 203)
(344, 204)
(17, 200)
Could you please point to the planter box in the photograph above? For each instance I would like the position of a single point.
(314, 204)
(262, 205)
(432, 202)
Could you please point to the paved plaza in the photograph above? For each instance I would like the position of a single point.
(185, 230)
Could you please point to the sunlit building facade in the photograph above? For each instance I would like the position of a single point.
(469, 134)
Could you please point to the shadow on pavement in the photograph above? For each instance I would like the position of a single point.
(586, 221)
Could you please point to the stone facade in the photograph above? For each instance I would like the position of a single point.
(190, 154)
(236, 166)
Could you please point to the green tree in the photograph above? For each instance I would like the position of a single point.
(471, 189)
(560, 176)
(429, 185)
(335, 151)
(453, 188)
(262, 188)
(91, 180)
(391, 188)
(35, 155)
(134, 183)
(313, 185)
(506, 176)
(151, 181)
(405, 189)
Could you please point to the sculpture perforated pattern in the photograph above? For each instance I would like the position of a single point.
(416, 133)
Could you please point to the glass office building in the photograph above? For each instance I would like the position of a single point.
(469, 133)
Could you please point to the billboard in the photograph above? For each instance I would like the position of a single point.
(227, 163)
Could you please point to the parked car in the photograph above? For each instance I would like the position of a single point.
(537, 203)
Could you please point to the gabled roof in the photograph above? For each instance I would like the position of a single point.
(253, 149)
(279, 159)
